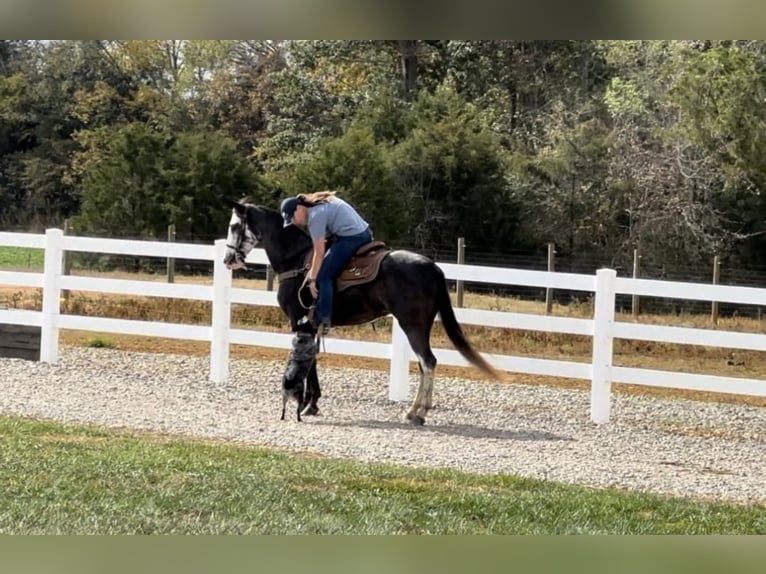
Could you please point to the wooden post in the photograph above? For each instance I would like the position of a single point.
(551, 268)
(171, 260)
(716, 279)
(635, 301)
(460, 261)
(269, 278)
(66, 262)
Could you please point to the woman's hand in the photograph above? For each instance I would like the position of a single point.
(313, 288)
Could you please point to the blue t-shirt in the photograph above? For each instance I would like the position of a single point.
(336, 217)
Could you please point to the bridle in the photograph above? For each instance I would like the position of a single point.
(238, 248)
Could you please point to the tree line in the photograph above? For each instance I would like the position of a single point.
(601, 147)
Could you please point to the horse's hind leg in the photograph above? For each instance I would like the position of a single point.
(313, 392)
(419, 341)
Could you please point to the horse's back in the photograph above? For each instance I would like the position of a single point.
(411, 258)
(402, 266)
(407, 285)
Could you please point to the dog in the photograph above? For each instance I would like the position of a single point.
(299, 362)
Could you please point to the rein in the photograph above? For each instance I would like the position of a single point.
(293, 273)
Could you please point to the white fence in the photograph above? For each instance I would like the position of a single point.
(602, 327)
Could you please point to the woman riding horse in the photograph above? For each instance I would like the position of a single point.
(409, 286)
(325, 215)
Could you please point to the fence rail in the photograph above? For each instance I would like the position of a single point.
(602, 327)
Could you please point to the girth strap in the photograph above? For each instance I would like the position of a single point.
(291, 274)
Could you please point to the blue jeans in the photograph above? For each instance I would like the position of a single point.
(334, 261)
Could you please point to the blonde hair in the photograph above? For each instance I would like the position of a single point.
(312, 199)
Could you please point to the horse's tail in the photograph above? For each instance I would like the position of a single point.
(455, 332)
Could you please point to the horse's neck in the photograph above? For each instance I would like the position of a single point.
(286, 248)
(292, 261)
(285, 255)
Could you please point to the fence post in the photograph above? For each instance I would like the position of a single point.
(269, 278)
(716, 279)
(66, 264)
(634, 301)
(49, 332)
(221, 316)
(551, 268)
(171, 260)
(399, 374)
(603, 323)
(460, 261)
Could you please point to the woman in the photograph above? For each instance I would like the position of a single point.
(325, 215)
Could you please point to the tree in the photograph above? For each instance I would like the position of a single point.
(563, 189)
(357, 167)
(144, 181)
(449, 173)
(720, 97)
(666, 180)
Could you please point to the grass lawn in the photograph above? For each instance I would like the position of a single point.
(74, 479)
(21, 258)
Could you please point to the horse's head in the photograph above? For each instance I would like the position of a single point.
(259, 226)
(243, 234)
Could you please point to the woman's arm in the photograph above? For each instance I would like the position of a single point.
(316, 261)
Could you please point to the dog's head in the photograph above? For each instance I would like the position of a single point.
(302, 340)
(304, 326)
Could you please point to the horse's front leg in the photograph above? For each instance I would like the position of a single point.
(313, 392)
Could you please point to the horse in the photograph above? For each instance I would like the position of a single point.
(402, 283)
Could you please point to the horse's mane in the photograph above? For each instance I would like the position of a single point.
(294, 234)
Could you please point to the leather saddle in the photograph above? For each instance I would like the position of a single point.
(363, 266)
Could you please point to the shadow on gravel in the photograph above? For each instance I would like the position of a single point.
(469, 431)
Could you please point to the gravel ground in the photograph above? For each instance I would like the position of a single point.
(678, 447)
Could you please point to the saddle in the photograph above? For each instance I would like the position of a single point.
(363, 266)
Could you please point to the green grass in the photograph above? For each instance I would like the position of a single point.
(71, 479)
(21, 258)
(98, 342)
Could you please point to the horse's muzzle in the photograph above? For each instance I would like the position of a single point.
(233, 260)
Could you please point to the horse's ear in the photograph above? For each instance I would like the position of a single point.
(236, 205)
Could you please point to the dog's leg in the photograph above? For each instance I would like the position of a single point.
(298, 412)
(284, 405)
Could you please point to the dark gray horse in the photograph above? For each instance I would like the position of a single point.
(409, 286)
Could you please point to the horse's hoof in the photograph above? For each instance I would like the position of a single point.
(416, 420)
(310, 410)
